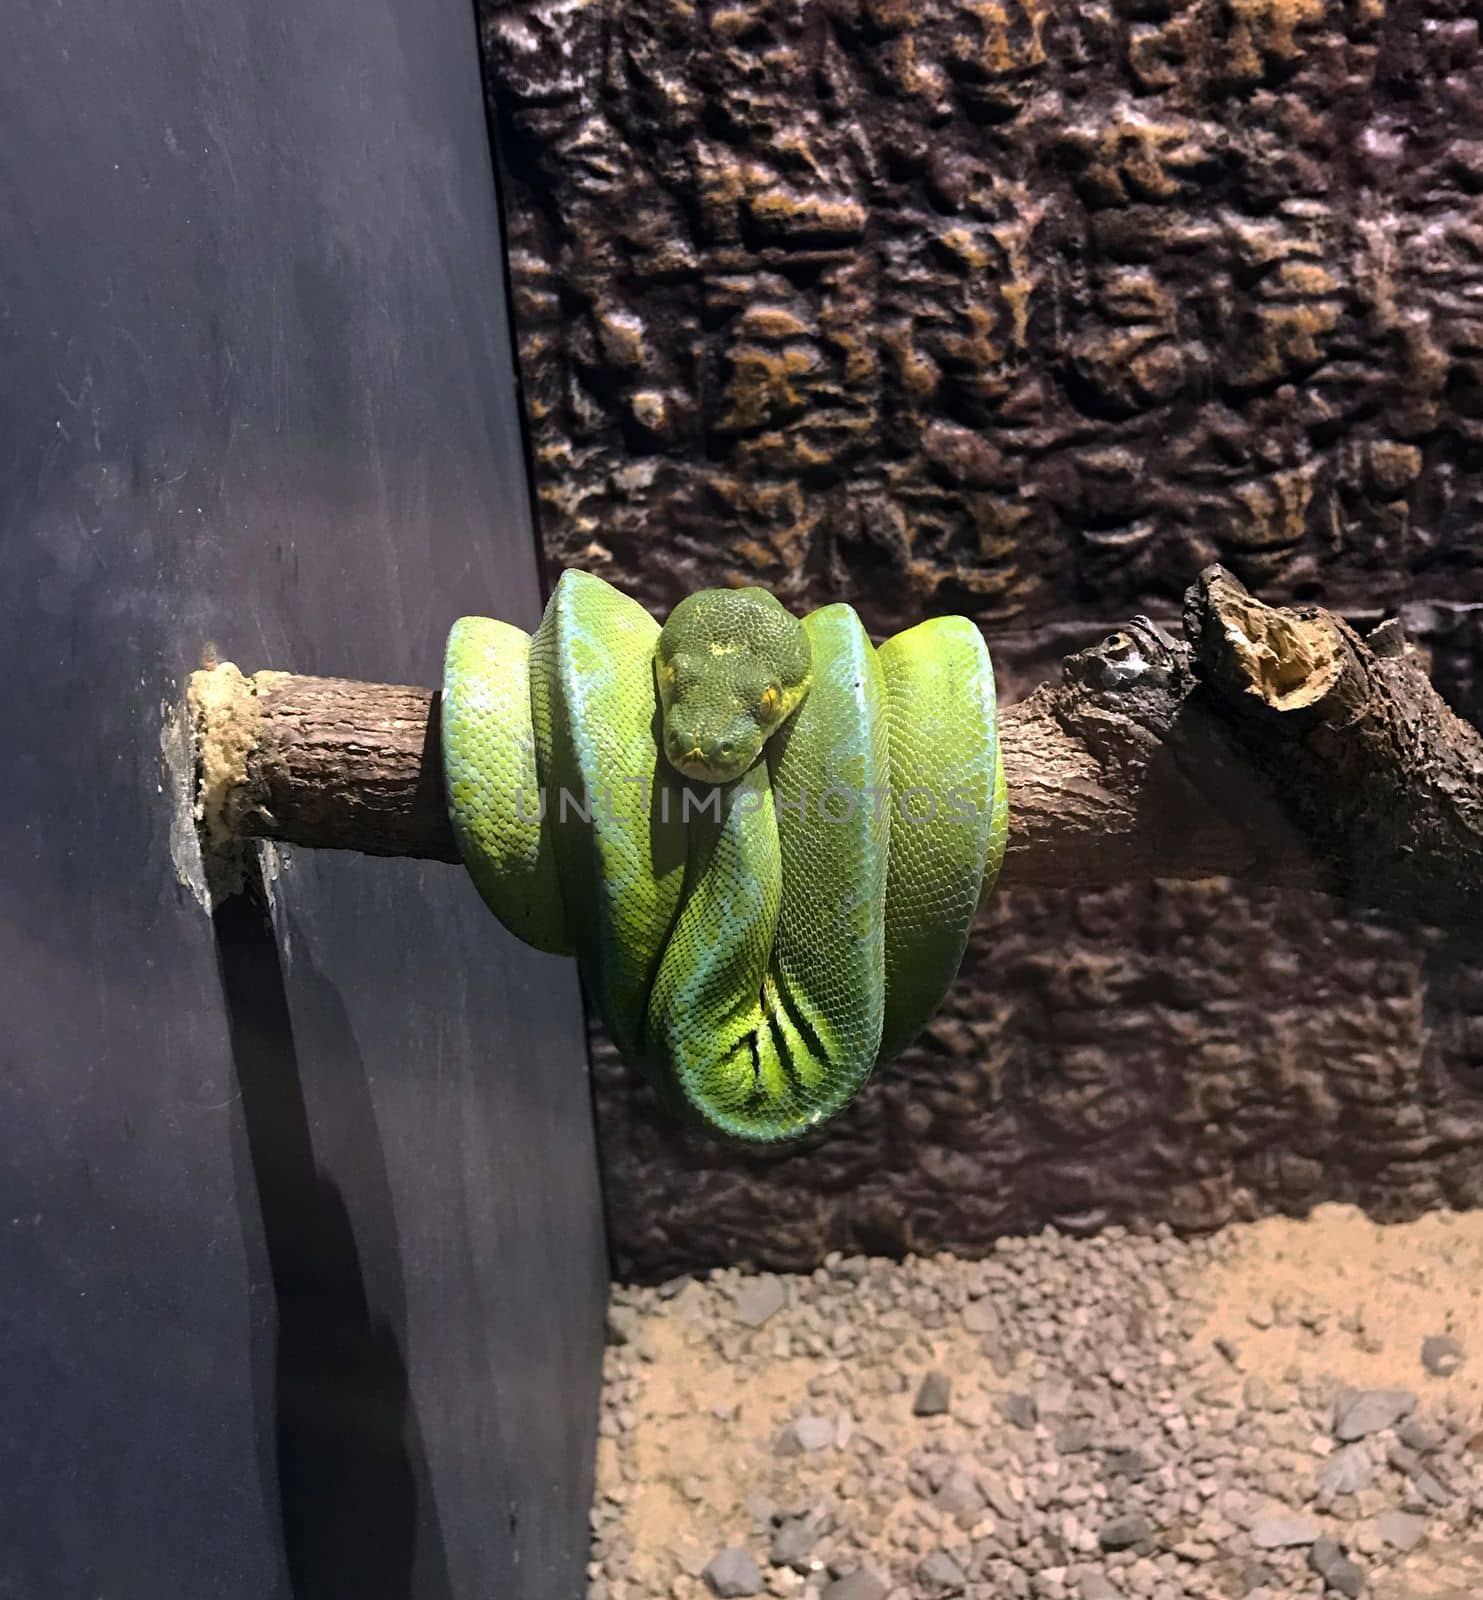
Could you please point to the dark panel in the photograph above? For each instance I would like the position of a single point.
(302, 1262)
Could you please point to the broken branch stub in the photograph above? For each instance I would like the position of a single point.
(1384, 780)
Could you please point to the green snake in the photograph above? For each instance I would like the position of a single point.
(763, 838)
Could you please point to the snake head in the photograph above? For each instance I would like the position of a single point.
(732, 665)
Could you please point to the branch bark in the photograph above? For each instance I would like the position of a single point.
(1271, 745)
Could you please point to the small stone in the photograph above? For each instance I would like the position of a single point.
(1127, 1464)
(1419, 1435)
(1052, 1398)
(1141, 1578)
(793, 1543)
(758, 1299)
(622, 1324)
(1122, 1533)
(1431, 1488)
(973, 1411)
(1365, 1537)
(1339, 1573)
(1259, 1395)
(934, 1396)
(1441, 1355)
(733, 1573)
(1347, 1471)
(1278, 1529)
(1094, 1586)
(939, 1574)
(959, 1497)
(979, 1316)
(1018, 1409)
(1400, 1529)
(1075, 1437)
(804, 1433)
(861, 1584)
(1002, 1501)
(1361, 1412)
(1324, 1553)
(760, 1509)
(1346, 1577)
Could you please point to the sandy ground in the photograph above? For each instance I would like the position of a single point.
(1352, 1298)
(1222, 1360)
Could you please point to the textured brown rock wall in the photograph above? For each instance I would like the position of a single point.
(1029, 309)
(1172, 1052)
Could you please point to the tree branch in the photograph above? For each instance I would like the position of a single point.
(1271, 745)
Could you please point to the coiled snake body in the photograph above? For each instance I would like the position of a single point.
(763, 838)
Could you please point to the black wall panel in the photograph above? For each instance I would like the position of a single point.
(301, 1271)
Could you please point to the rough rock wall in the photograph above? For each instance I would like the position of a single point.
(1028, 308)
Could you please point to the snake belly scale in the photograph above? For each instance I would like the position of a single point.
(763, 838)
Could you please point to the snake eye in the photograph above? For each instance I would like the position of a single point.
(769, 701)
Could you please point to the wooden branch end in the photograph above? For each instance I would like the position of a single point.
(327, 763)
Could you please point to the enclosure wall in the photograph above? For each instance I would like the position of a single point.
(1028, 310)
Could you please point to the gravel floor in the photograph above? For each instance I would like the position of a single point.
(1290, 1409)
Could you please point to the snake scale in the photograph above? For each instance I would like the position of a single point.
(763, 838)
